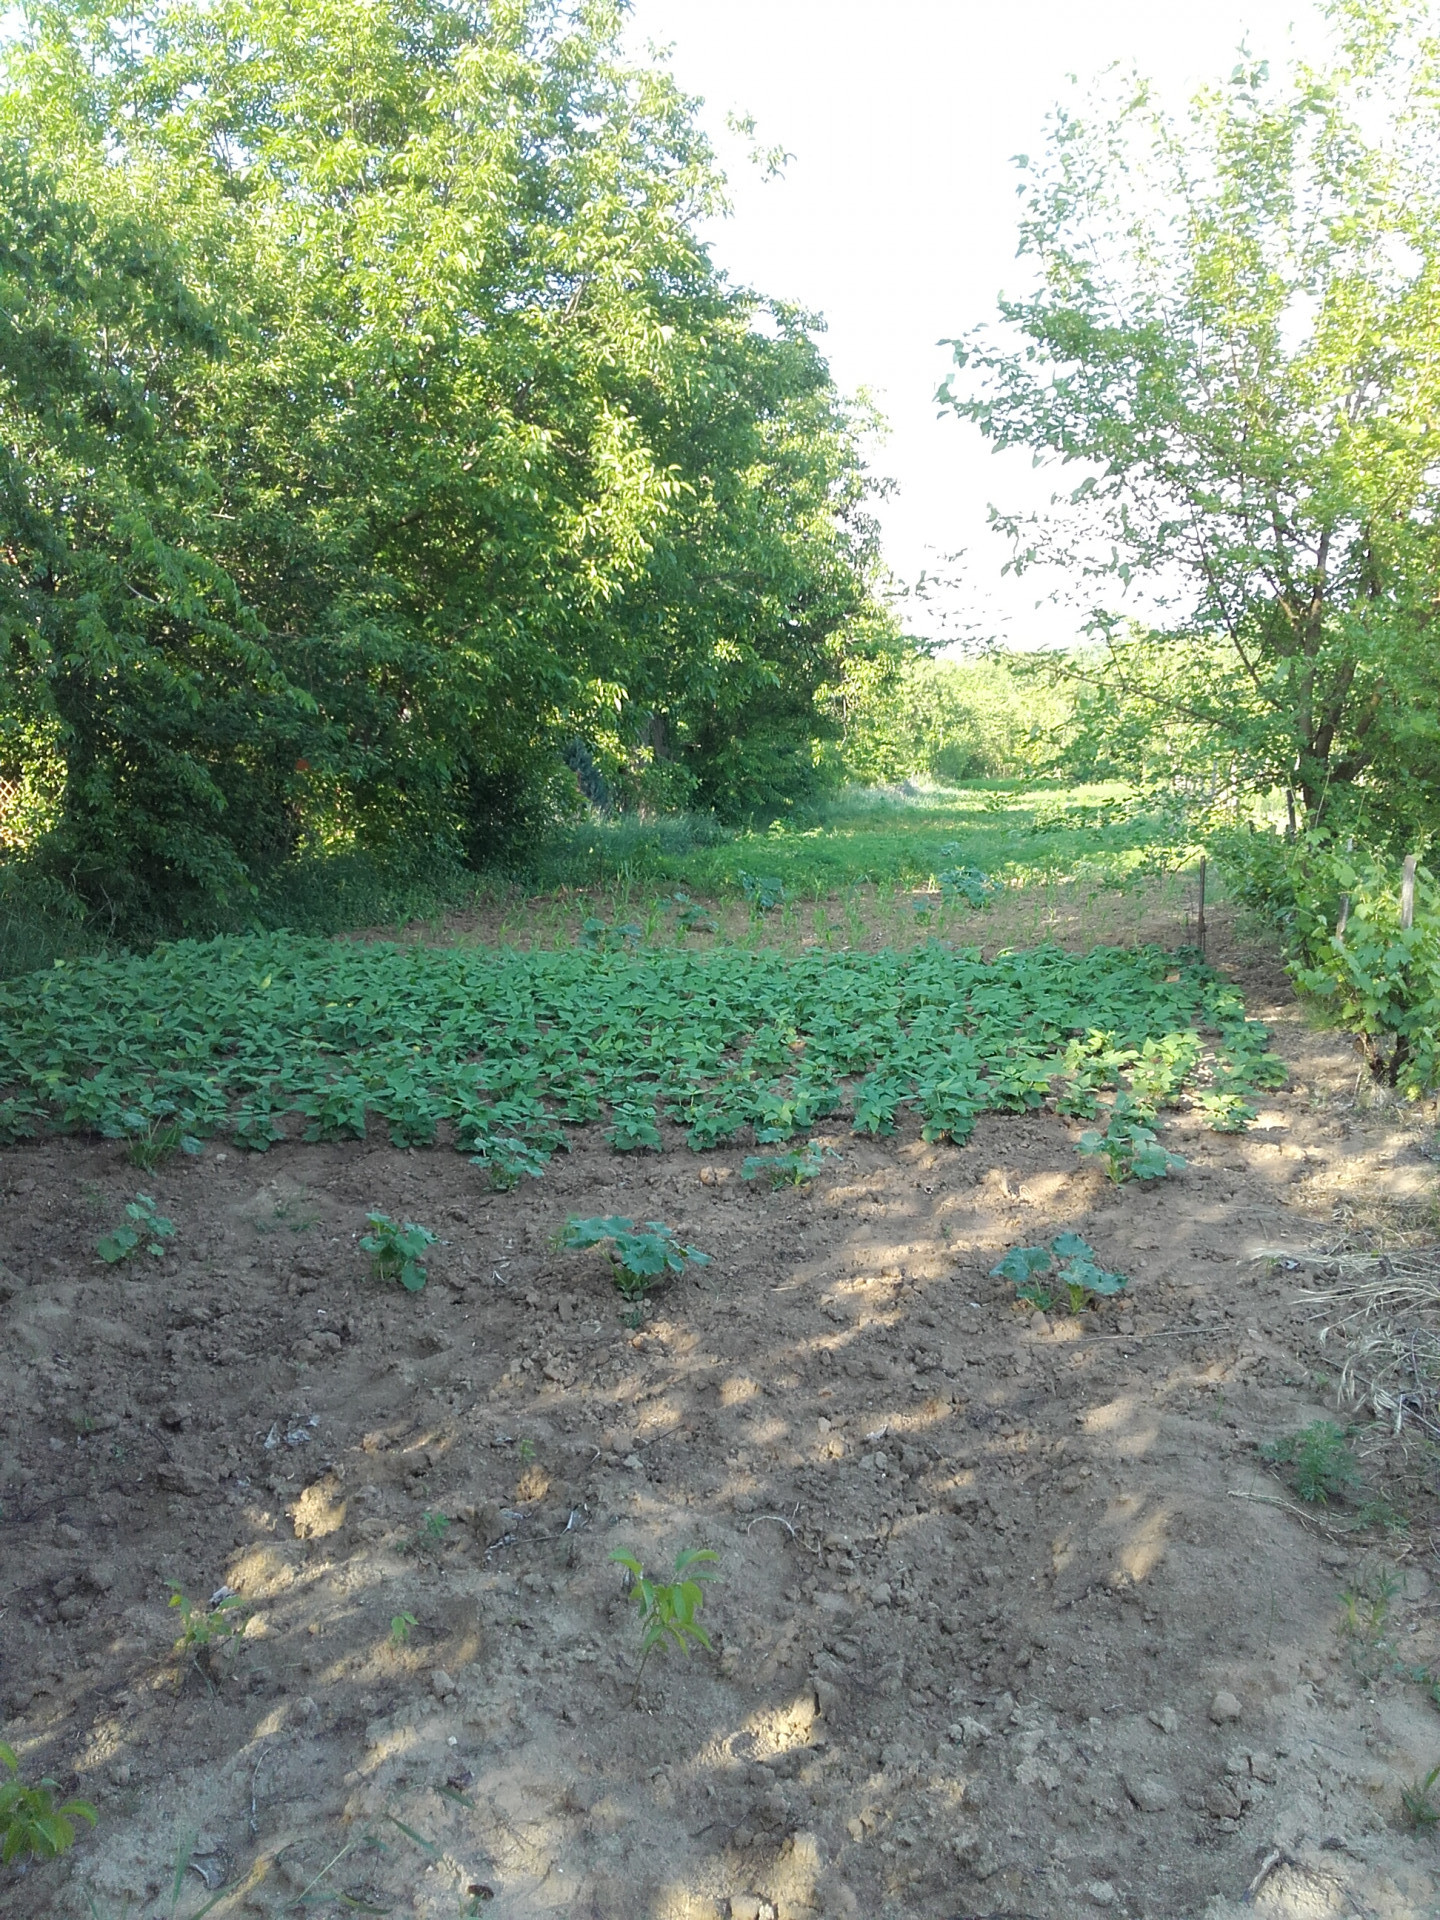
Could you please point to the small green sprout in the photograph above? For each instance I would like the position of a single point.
(1417, 1803)
(205, 1627)
(143, 1227)
(640, 1257)
(32, 1827)
(1070, 1262)
(1318, 1462)
(395, 1251)
(790, 1169)
(402, 1625)
(669, 1610)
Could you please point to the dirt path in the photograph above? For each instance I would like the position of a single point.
(1009, 1617)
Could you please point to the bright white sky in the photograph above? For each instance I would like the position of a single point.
(897, 217)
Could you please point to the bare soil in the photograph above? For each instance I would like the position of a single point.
(1010, 1616)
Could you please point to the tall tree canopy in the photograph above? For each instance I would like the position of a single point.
(372, 423)
(1234, 328)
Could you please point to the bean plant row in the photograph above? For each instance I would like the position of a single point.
(497, 1052)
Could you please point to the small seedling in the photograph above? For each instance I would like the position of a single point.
(1128, 1145)
(601, 938)
(632, 1128)
(1069, 1261)
(205, 1627)
(1226, 1112)
(1318, 1462)
(32, 1827)
(402, 1625)
(508, 1161)
(764, 892)
(692, 917)
(668, 1611)
(791, 1169)
(395, 1250)
(639, 1257)
(143, 1227)
(155, 1137)
(1418, 1805)
(969, 884)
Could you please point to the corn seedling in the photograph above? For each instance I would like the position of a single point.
(395, 1251)
(32, 1827)
(640, 1257)
(669, 1610)
(1317, 1462)
(1069, 1262)
(1417, 1803)
(142, 1227)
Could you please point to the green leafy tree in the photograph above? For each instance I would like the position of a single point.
(1232, 332)
(375, 425)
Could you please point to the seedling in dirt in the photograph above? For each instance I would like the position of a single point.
(1226, 1112)
(157, 1135)
(1365, 1611)
(669, 1610)
(790, 1169)
(1069, 1262)
(1128, 1145)
(395, 1251)
(142, 1227)
(1318, 1462)
(402, 1625)
(429, 1536)
(206, 1627)
(32, 1827)
(508, 1161)
(969, 884)
(632, 1128)
(764, 892)
(1418, 1805)
(691, 916)
(601, 938)
(640, 1257)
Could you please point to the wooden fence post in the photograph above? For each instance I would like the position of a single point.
(1407, 893)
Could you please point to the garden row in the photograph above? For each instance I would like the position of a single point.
(498, 1051)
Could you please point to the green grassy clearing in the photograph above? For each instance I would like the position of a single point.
(1020, 832)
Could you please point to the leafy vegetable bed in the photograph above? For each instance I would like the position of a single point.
(497, 1051)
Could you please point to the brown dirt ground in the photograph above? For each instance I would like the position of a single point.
(983, 1578)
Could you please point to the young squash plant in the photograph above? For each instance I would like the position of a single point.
(1069, 1262)
(141, 1227)
(1128, 1145)
(395, 1251)
(640, 1257)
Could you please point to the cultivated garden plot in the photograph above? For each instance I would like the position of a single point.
(1038, 1586)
